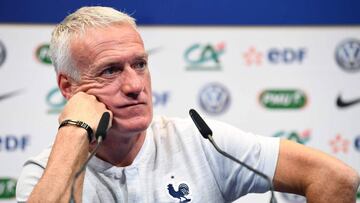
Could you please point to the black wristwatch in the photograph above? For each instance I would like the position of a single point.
(81, 124)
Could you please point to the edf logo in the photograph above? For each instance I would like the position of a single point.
(13, 143)
(286, 55)
(160, 99)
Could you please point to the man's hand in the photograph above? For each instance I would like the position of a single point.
(86, 108)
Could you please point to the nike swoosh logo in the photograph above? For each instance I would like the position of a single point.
(153, 50)
(9, 95)
(340, 102)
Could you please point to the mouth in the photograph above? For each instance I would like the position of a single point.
(131, 104)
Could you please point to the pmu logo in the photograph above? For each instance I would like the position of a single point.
(160, 98)
(293, 198)
(347, 55)
(12, 143)
(204, 57)
(286, 55)
(7, 188)
(55, 101)
(283, 99)
(2, 53)
(43, 54)
(214, 98)
(301, 138)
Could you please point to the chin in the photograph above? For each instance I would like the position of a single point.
(131, 125)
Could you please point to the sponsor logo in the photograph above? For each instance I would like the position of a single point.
(160, 99)
(2, 53)
(293, 198)
(339, 144)
(55, 101)
(204, 57)
(347, 55)
(11, 143)
(153, 50)
(214, 98)
(43, 53)
(253, 57)
(357, 143)
(286, 55)
(301, 138)
(7, 188)
(344, 103)
(9, 95)
(283, 99)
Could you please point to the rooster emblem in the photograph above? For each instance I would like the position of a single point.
(183, 190)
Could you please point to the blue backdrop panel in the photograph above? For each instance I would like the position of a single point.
(199, 12)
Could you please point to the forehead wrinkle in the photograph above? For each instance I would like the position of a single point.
(116, 59)
(92, 49)
(112, 45)
(114, 51)
(78, 51)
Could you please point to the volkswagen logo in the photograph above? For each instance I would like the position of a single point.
(2, 53)
(214, 98)
(357, 144)
(347, 55)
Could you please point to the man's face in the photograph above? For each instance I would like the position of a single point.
(113, 66)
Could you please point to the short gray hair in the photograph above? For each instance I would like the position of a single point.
(76, 24)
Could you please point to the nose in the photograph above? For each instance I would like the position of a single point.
(132, 83)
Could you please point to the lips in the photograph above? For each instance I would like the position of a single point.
(131, 104)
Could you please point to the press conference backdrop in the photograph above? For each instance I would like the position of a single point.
(295, 82)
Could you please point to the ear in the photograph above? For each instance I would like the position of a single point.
(65, 84)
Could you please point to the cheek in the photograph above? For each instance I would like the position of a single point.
(104, 93)
(149, 90)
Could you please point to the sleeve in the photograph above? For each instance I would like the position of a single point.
(29, 177)
(31, 174)
(259, 152)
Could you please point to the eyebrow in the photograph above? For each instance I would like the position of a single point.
(136, 57)
(144, 55)
(130, 58)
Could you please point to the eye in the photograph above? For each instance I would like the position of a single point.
(140, 65)
(111, 70)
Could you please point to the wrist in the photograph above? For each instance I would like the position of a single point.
(79, 124)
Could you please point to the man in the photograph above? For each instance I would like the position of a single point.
(101, 66)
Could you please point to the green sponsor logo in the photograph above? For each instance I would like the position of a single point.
(7, 188)
(283, 99)
(204, 57)
(299, 137)
(43, 54)
(55, 101)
